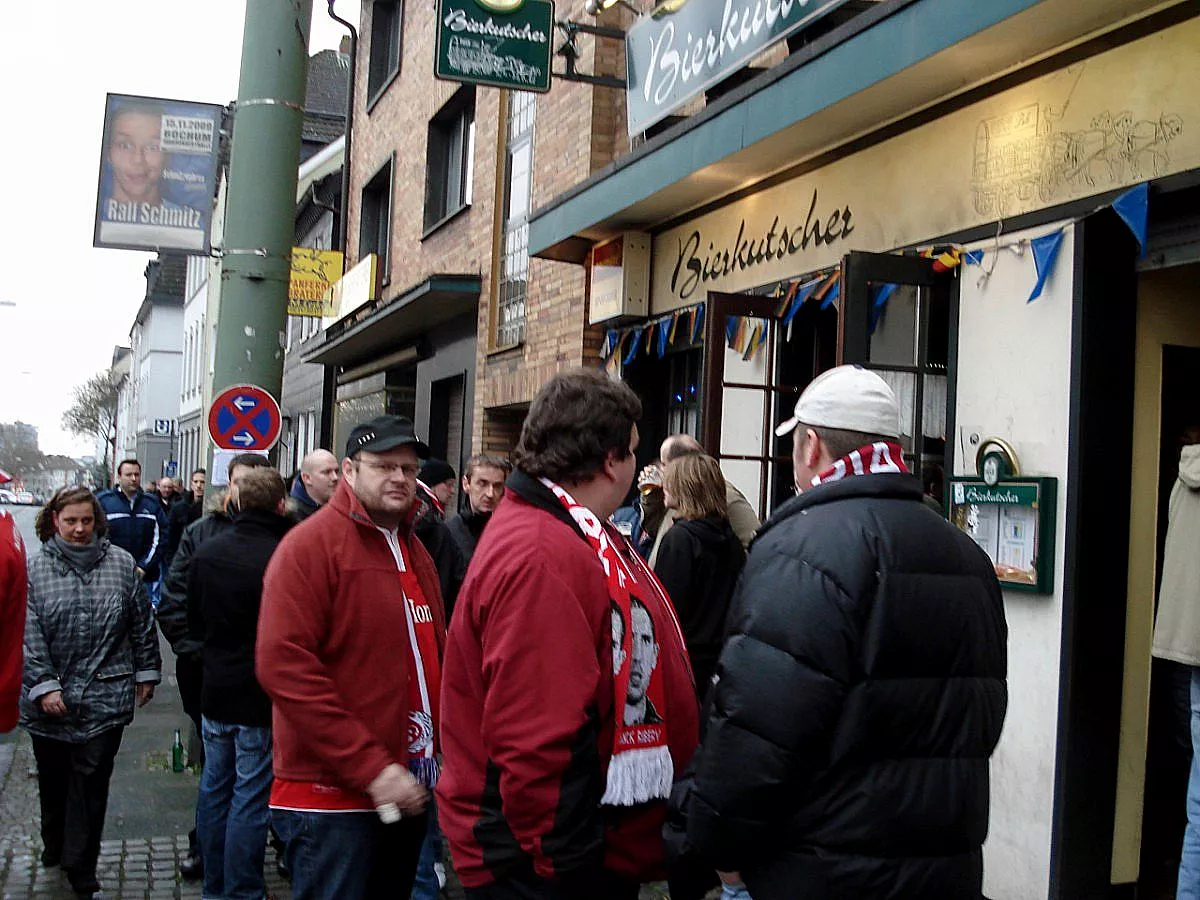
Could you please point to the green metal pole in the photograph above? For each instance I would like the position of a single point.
(261, 199)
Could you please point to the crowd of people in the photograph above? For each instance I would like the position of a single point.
(803, 708)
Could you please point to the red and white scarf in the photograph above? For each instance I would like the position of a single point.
(432, 497)
(871, 459)
(641, 768)
(424, 671)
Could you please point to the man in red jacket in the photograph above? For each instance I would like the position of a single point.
(349, 645)
(548, 791)
(12, 619)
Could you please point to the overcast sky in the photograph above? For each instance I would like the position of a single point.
(74, 303)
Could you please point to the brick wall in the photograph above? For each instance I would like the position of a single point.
(579, 129)
(398, 123)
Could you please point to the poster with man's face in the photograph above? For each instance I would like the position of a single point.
(158, 165)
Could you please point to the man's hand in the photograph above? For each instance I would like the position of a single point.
(395, 785)
(52, 704)
(141, 573)
(145, 693)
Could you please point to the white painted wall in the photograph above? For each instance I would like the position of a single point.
(157, 365)
(193, 335)
(1014, 382)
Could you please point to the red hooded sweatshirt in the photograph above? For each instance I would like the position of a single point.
(13, 589)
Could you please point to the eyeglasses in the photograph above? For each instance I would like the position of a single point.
(390, 469)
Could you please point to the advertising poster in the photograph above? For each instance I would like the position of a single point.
(314, 273)
(158, 166)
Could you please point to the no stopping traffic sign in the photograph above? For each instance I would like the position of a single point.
(244, 417)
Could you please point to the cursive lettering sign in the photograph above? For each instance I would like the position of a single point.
(457, 20)
(672, 57)
(697, 264)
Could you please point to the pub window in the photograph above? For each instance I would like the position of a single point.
(375, 224)
(683, 404)
(909, 347)
(518, 183)
(450, 159)
(384, 63)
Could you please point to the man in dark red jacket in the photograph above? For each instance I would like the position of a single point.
(549, 790)
(349, 642)
(12, 619)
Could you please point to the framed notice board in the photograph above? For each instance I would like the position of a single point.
(1013, 521)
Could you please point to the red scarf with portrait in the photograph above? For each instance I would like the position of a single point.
(641, 768)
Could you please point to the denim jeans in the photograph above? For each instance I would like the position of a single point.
(425, 883)
(1189, 865)
(233, 809)
(349, 855)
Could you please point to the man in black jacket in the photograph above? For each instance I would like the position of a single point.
(224, 595)
(173, 615)
(483, 485)
(183, 514)
(862, 687)
(429, 525)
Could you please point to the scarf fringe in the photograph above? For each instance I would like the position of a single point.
(425, 770)
(639, 776)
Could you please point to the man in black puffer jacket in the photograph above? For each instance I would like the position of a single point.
(862, 686)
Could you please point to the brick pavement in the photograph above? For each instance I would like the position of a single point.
(143, 868)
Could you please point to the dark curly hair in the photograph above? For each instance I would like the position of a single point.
(576, 420)
(63, 498)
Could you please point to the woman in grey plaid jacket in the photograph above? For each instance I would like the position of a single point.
(91, 652)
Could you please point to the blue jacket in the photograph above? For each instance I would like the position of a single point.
(138, 527)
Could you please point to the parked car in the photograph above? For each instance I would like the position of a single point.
(7, 496)
(25, 497)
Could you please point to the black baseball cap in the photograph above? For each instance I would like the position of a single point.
(385, 433)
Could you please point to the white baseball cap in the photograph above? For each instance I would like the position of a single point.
(849, 398)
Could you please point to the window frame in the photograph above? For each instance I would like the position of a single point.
(520, 124)
(449, 148)
(382, 72)
(384, 177)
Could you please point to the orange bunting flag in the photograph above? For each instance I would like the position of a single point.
(824, 289)
(793, 289)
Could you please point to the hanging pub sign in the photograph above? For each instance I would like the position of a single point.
(670, 57)
(502, 43)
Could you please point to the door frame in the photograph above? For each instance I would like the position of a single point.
(718, 308)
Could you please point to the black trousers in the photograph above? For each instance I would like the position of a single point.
(73, 784)
(189, 674)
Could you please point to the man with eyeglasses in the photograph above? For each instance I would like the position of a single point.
(349, 647)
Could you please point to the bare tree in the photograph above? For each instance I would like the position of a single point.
(94, 412)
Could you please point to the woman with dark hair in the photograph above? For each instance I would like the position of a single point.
(90, 652)
(699, 559)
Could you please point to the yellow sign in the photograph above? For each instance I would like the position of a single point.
(353, 290)
(314, 273)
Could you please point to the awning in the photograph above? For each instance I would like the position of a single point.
(880, 67)
(432, 302)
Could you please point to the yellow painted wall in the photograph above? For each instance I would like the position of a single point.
(1168, 313)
